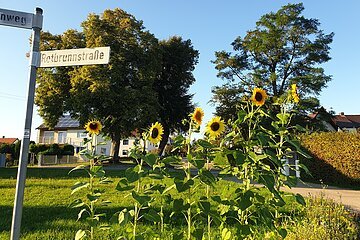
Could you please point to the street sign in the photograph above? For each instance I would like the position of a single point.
(72, 57)
(16, 19)
(34, 22)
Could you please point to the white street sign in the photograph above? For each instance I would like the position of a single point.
(71, 57)
(16, 19)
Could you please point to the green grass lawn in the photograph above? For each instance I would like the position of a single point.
(46, 214)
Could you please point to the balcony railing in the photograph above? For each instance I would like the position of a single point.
(76, 142)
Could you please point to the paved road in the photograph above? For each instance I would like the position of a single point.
(349, 198)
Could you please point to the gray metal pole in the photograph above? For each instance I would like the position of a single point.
(21, 176)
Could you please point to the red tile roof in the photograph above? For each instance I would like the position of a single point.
(346, 121)
(8, 140)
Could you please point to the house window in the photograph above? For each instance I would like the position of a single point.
(81, 134)
(62, 137)
(126, 142)
(103, 151)
(48, 137)
(125, 152)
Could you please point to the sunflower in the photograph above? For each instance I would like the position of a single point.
(93, 127)
(155, 132)
(259, 96)
(215, 127)
(198, 115)
(294, 93)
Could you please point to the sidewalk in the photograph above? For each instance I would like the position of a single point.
(349, 198)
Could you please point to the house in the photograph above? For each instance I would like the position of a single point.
(9, 141)
(342, 122)
(69, 131)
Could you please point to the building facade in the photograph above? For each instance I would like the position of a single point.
(69, 131)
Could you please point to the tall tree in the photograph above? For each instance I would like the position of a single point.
(119, 94)
(178, 60)
(284, 48)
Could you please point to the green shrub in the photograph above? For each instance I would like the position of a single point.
(12, 149)
(52, 149)
(323, 219)
(336, 156)
(68, 149)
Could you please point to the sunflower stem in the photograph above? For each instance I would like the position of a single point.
(91, 186)
(136, 207)
(189, 190)
(208, 196)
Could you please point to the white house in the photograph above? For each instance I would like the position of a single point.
(69, 131)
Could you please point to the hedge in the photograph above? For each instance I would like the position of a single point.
(52, 149)
(336, 156)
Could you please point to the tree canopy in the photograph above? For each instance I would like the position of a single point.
(284, 48)
(142, 81)
(178, 60)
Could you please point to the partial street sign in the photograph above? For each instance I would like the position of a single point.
(72, 57)
(16, 19)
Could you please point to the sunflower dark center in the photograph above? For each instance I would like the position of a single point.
(93, 126)
(258, 96)
(154, 133)
(198, 116)
(215, 126)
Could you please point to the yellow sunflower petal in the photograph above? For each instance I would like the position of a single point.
(259, 96)
(198, 115)
(93, 127)
(215, 127)
(155, 133)
(294, 93)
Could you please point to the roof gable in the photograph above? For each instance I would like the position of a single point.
(8, 140)
(346, 121)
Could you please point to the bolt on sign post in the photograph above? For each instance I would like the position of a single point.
(34, 22)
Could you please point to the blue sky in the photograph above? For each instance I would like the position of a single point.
(211, 25)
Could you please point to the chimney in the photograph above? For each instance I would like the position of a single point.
(342, 113)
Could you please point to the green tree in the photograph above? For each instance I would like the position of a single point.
(283, 49)
(178, 59)
(119, 94)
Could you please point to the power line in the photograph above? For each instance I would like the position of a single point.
(12, 96)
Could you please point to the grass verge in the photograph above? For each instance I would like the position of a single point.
(46, 214)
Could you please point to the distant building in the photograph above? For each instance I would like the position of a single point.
(69, 131)
(9, 141)
(346, 122)
(340, 122)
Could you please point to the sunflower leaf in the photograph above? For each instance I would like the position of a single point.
(205, 144)
(198, 163)
(80, 234)
(79, 185)
(150, 159)
(123, 185)
(77, 168)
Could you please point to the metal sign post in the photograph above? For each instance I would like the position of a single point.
(68, 57)
(13, 18)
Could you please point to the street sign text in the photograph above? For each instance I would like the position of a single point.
(71, 57)
(16, 19)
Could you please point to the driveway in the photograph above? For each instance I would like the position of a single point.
(349, 198)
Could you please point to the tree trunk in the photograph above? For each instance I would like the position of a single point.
(164, 140)
(116, 147)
